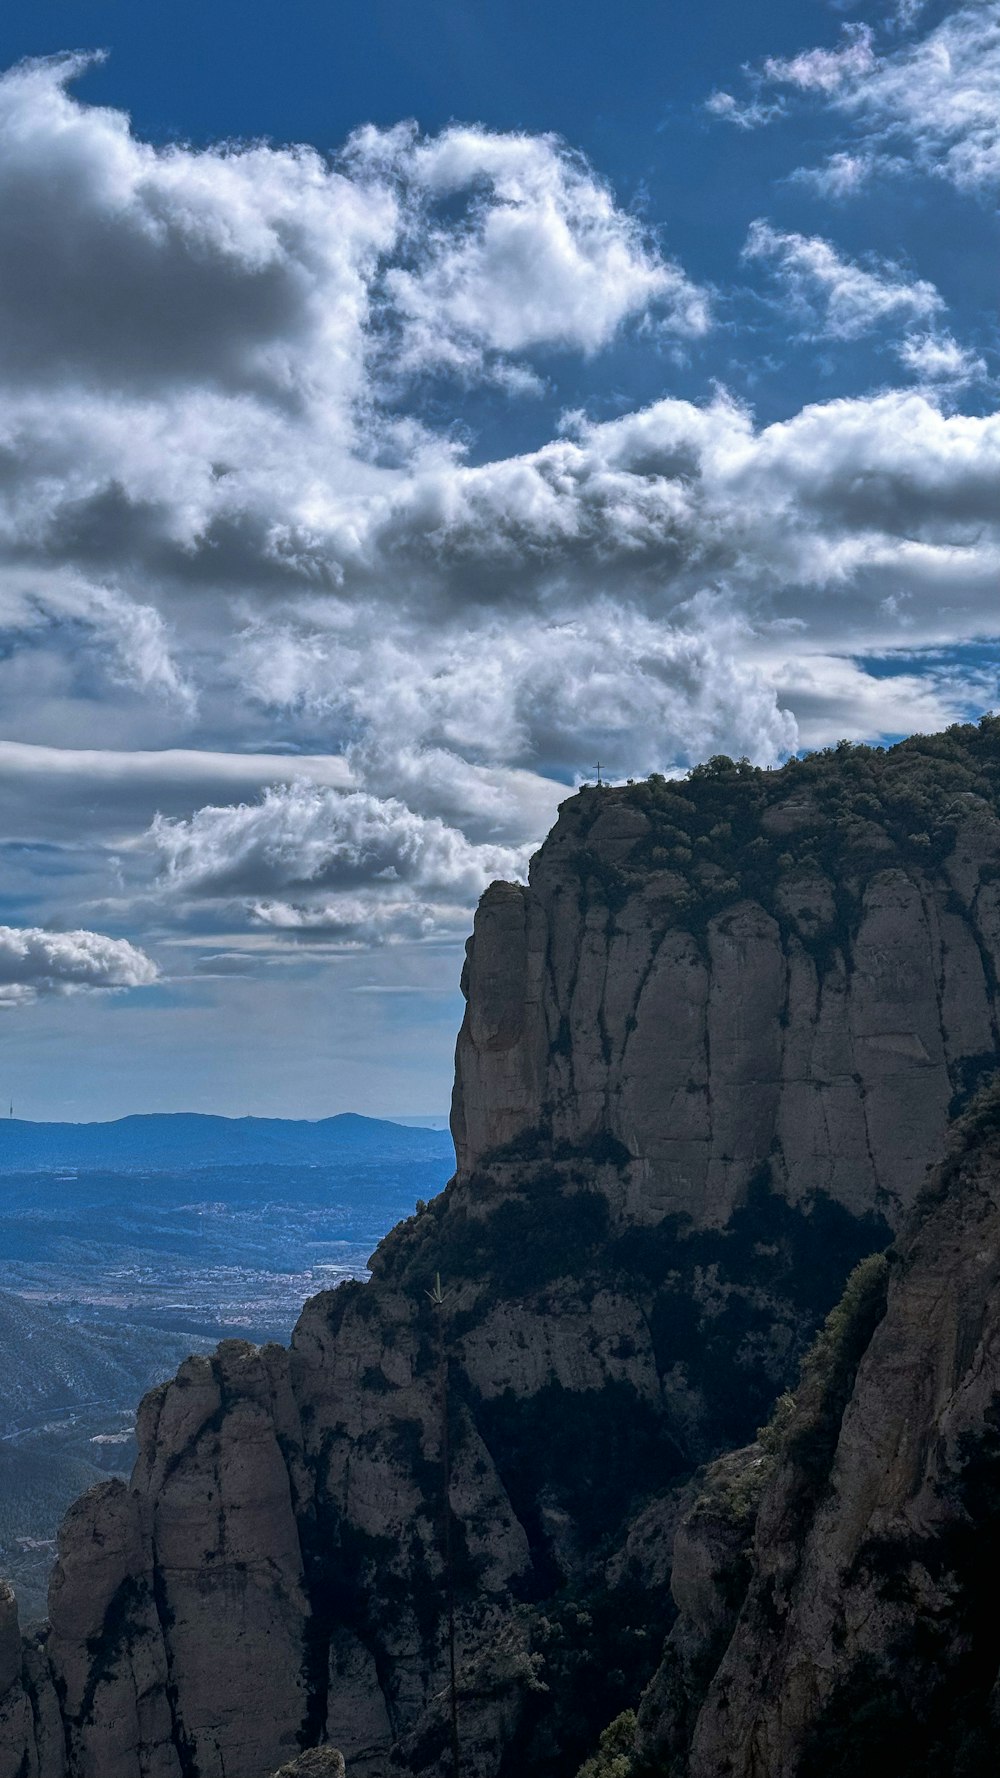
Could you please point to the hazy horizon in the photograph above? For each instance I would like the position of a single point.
(416, 1120)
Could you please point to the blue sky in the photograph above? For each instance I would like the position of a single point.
(403, 405)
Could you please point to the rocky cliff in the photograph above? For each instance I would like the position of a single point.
(789, 970)
(855, 1628)
(709, 1053)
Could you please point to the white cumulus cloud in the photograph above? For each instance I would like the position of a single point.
(542, 256)
(266, 273)
(283, 855)
(34, 961)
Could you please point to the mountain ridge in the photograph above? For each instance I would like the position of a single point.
(183, 1140)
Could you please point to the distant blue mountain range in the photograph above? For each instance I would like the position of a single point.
(182, 1141)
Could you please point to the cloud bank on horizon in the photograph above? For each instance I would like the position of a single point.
(294, 661)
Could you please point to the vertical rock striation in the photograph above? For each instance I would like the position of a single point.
(819, 1026)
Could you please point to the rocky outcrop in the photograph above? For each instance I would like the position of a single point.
(31, 1738)
(708, 1054)
(741, 972)
(866, 1638)
(710, 1574)
(319, 1762)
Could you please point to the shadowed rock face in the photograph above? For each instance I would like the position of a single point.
(861, 1633)
(707, 1057)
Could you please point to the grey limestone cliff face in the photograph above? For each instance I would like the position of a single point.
(708, 1055)
(818, 1028)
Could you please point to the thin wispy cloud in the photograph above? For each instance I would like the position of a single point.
(846, 173)
(938, 358)
(825, 71)
(833, 297)
(745, 114)
(930, 103)
(938, 99)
